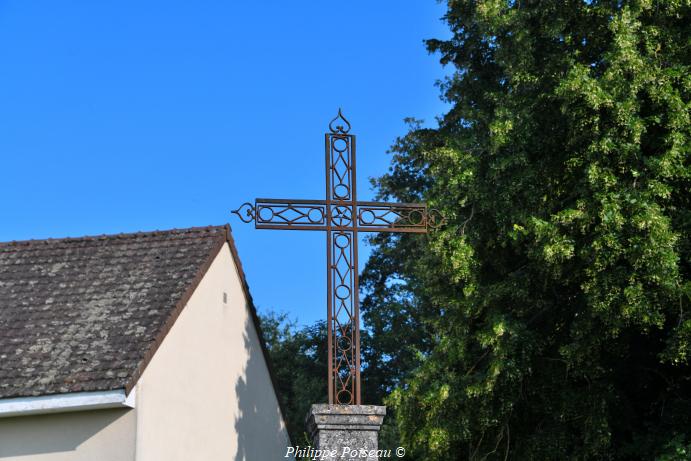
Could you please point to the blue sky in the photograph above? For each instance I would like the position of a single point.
(129, 115)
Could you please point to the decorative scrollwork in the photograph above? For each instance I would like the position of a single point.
(435, 219)
(405, 217)
(339, 129)
(245, 212)
(343, 311)
(392, 217)
(339, 167)
(289, 214)
(342, 216)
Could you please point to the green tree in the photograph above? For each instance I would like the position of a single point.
(549, 319)
(299, 362)
(298, 357)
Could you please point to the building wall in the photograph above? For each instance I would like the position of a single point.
(104, 435)
(207, 394)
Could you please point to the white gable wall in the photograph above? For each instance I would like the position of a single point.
(104, 435)
(207, 394)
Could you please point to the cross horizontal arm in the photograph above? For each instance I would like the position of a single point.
(284, 214)
(321, 215)
(396, 217)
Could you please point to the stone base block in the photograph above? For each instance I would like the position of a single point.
(350, 432)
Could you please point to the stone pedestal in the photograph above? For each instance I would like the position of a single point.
(347, 432)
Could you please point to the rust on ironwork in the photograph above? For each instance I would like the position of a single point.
(312, 215)
(335, 128)
(245, 212)
(342, 216)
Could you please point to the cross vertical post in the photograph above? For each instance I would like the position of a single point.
(342, 266)
(342, 216)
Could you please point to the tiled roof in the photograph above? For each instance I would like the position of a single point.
(86, 314)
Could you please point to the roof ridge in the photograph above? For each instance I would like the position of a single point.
(153, 233)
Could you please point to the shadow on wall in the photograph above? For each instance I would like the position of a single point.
(58, 433)
(258, 425)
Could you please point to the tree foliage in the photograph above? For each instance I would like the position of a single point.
(549, 319)
(298, 357)
(299, 361)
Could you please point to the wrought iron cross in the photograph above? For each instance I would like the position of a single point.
(342, 216)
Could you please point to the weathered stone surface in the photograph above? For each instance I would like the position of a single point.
(351, 432)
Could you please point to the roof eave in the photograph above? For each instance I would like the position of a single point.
(64, 403)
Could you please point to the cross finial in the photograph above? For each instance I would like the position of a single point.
(339, 129)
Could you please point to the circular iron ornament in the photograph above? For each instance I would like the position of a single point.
(343, 401)
(344, 343)
(338, 142)
(343, 292)
(334, 124)
(317, 217)
(341, 216)
(341, 191)
(367, 217)
(435, 219)
(245, 212)
(342, 241)
(262, 216)
(416, 217)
